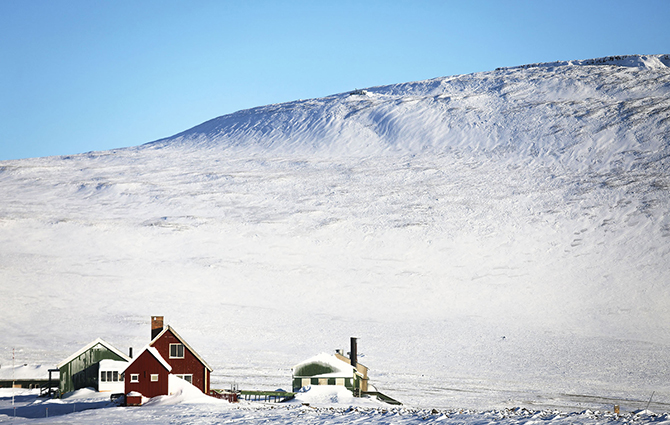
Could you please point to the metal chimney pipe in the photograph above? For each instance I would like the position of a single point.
(130, 352)
(353, 353)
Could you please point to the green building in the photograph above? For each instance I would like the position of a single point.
(82, 369)
(326, 369)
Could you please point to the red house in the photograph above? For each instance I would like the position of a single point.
(146, 375)
(181, 357)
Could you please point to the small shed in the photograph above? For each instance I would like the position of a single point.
(148, 374)
(82, 369)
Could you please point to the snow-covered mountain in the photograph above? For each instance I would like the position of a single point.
(493, 239)
(592, 113)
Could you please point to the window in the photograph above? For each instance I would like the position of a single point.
(134, 377)
(110, 376)
(176, 351)
(187, 378)
(154, 377)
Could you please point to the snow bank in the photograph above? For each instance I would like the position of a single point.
(27, 405)
(85, 394)
(332, 396)
(181, 392)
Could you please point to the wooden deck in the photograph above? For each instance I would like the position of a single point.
(268, 396)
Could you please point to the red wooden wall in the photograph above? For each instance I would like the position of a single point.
(190, 364)
(145, 365)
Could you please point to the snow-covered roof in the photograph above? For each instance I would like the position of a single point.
(87, 347)
(171, 329)
(331, 366)
(108, 364)
(154, 352)
(23, 372)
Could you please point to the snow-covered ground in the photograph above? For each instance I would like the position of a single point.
(494, 240)
(88, 407)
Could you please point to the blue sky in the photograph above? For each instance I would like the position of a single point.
(78, 76)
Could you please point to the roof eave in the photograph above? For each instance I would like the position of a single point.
(90, 345)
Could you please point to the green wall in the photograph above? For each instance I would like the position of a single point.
(82, 371)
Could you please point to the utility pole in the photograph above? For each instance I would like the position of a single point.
(649, 402)
(13, 382)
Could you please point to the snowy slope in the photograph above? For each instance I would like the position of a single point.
(591, 113)
(497, 239)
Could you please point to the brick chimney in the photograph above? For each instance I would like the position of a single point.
(156, 326)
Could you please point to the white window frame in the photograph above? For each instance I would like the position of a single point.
(185, 376)
(134, 377)
(177, 351)
(154, 377)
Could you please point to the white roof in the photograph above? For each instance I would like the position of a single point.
(87, 347)
(340, 368)
(23, 372)
(108, 364)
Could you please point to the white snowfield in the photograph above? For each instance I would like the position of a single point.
(88, 407)
(494, 240)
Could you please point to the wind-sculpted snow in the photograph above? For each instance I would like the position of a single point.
(586, 114)
(495, 240)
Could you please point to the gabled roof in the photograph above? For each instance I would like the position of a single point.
(157, 355)
(169, 328)
(100, 341)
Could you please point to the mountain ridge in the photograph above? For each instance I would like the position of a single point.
(583, 105)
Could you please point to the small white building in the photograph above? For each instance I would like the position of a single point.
(110, 376)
